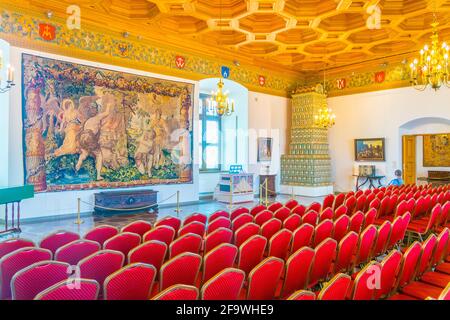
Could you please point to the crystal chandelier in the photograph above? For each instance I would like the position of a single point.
(220, 101)
(432, 68)
(325, 117)
(10, 76)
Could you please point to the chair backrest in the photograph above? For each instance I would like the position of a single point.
(220, 222)
(245, 232)
(221, 235)
(263, 279)
(338, 201)
(86, 289)
(311, 217)
(241, 220)
(328, 201)
(271, 227)
(420, 208)
(237, 212)
(298, 269)
(275, 206)
(282, 213)
(221, 257)
(369, 217)
(315, 206)
(263, 216)
(189, 242)
(350, 203)
(17, 260)
(360, 202)
(302, 237)
(218, 214)
(341, 227)
(340, 211)
(444, 214)
(257, 209)
(152, 252)
(411, 205)
(392, 204)
(357, 221)
(100, 265)
(363, 289)
(384, 206)
(29, 281)
(322, 231)
(292, 222)
(291, 204)
(280, 243)
(381, 242)
(326, 214)
(123, 242)
(178, 292)
(57, 239)
(302, 295)
(366, 244)
(12, 244)
(426, 259)
(162, 233)
(193, 227)
(390, 267)
(442, 246)
(101, 233)
(251, 252)
(197, 217)
(182, 269)
(402, 208)
(410, 264)
(346, 250)
(132, 282)
(397, 226)
(300, 210)
(325, 253)
(139, 227)
(226, 285)
(406, 218)
(170, 221)
(434, 216)
(369, 199)
(74, 251)
(337, 288)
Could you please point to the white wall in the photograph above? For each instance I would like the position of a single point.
(4, 115)
(377, 115)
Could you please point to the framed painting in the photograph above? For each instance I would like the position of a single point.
(369, 149)
(264, 149)
(85, 127)
(436, 150)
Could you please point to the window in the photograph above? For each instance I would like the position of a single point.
(209, 140)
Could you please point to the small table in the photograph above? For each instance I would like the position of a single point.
(368, 179)
(12, 196)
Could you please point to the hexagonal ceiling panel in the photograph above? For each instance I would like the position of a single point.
(262, 23)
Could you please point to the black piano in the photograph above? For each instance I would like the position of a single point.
(437, 178)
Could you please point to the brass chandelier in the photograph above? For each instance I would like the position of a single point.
(220, 101)
(432, 68)
(325, 118)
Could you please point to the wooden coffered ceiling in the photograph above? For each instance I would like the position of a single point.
(295, 36)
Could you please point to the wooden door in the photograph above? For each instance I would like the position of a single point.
(409, 159)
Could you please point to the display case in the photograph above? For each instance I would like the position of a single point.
(235, 188)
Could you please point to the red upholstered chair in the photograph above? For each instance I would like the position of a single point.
(337, 288)
(420, 229)
(151, 252)
(169, 221)
(396, 232)
(183, 269)
(100, 265)
(245, 232)
(300, 210)
(100, 234)
(326, 214)
(401, 209)
(17, 260)
(221, 235)
(420, 208)
(123, 242)
(325, 253)
(338, 201)
(226, 285)
(218, 214)
(441, 252)
(241, 220)
(341, 227)
(390, 267)
(178, 292)
(193, 227)
(302, 237)
(291, 204)
(282, 214)
(197, 217)
(85, 289)
(426, 263)
(12, 244)
(361, 288)
(360, 203)
(302, 295)
(346, 250)
(409, 266)
(237, 212)
(220, 222)
(292, 222)
(444, 214)
(393, 200)
(218, 259)
(161, 233)
(189, 242)
(340, 211)
(384, 206)
(139, 227)
(275, 206)
(315, 206)
(263, 279)
(57, 239)
(257, 209)
(271, 227)
(381, 242)
(73, 252)
(298, 269)
(358, 193)
(322, 231)
(280, 243)
(328, 202)
(369, 199)
(31, 280)
(357, 221)
(132, 282)
(411, 205)
(251, 252)
(369, 218)
(311, 217)
(366, 245)
(350, 203)
(263, 216)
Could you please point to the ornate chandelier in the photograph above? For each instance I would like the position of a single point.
(325, 117)
(220, 101)
(10, 76)
(432, 68)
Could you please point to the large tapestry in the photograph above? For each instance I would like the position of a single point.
(86, 127)
(436, 150)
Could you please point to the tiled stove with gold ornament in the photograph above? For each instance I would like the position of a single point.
(306, 170)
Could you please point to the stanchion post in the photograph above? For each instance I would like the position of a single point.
(267, 192)
(79, 221)
(293, 196)
(230, 207)
(178, 210)
(260, 193)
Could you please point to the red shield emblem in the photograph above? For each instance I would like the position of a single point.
(380, 76)
(47, 31)
(262, 80)
(341, 83)
(180, 62)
